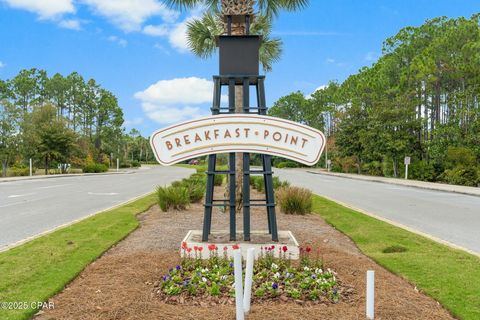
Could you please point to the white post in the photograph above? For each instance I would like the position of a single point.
(248, 280)
(370, 294)
(406, 172)
(30, 162)
(237, 267)
(326, 154)
(118, 164)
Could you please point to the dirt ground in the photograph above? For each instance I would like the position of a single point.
(119, 285)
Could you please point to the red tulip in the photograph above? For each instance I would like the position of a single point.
(284, 248)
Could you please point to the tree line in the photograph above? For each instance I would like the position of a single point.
(58, 119)
(420, 99)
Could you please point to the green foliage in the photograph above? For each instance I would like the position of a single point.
(176, 198)
(460, 156)
(135, 164)
(373, 168)
(218, 180)
(94, 168)
(287, 164)
(62, 119)
(465, 176)
(19, 170)
(394, 249)
(421, 170)
(277, 183)
(420, 99)
(294, 200)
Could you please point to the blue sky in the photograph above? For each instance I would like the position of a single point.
(136, 48)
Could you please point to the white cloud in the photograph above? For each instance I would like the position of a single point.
(335, 62)
(45, 9)
(169, 101)
(121, 42)
(129, 15)
(178, 37)
(160, 30)
(161, 48)
(133, 122)
(73, 24)
(2, 64)
(308, 96)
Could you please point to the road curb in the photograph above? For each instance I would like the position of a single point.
(402, 226)
(44, 233)
(398, 183)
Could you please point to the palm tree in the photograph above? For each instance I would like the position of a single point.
(201, 35)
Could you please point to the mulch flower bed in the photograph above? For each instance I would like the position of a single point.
(195, 281)
(122, 284)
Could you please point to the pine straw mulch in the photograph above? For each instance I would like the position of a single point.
(120, 284)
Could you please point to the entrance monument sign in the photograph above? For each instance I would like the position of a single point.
(238, 133)
(239, 128)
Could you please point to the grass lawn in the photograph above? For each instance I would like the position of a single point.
(37, 270)
(450, 276)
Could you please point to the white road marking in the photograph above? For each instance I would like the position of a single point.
(20, 195)
(56, 186)
(103, 193)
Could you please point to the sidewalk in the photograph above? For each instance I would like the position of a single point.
(402, 182)
(10, 179)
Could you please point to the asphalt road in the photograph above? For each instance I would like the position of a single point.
(448, 216)
(30, 207)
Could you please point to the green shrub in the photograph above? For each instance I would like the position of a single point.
(18, 170)
(135, 164)
(460, 157)
(277, 183)
(294, 200)
(258, 183)
(422, 170)
(218, 180)
(94, 168)
(177, 183)
(373, 168)
(465, 176)
(287, 164)
(171, 197)
(195, 187)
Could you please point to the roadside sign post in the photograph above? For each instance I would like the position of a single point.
(407, 162)
(30, 165)
(118, 164)
(329, 165)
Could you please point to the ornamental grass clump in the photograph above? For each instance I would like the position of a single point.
(173, 197)
(275, 277)
(294, 200)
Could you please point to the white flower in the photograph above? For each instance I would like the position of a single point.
(306, 268)
(318, 271)
(274, 266)
(276, 275)
(204, 279)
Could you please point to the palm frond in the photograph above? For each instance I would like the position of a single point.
(201, 34)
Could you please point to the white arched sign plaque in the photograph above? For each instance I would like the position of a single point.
(238, 133)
